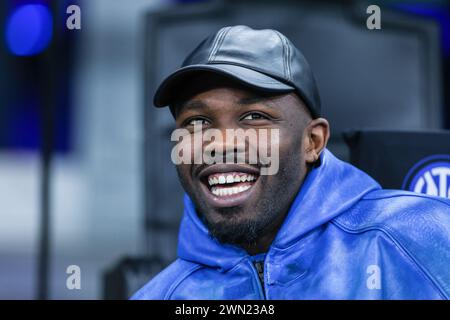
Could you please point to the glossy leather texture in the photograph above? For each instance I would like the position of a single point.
(343, 238)
(263, 59)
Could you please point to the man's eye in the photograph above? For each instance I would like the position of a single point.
(197, 122)
(254, 116)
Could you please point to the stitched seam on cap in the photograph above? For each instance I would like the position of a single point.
(284, 54)
(288, 57)
(216, 41)
(289, 61)
(219, 43)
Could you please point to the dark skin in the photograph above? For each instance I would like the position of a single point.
(221, 103)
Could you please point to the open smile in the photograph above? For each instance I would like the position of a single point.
(226, 185)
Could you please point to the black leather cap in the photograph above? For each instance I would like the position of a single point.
(263, 59)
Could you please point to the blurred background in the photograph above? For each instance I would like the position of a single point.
(85, 171)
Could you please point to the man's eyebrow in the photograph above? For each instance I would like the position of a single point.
(193, 105)
(255, 100)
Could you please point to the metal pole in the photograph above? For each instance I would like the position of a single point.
(49, 63)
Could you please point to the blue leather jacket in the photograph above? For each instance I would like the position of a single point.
(343, 238)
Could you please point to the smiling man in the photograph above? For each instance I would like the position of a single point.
(315, 228)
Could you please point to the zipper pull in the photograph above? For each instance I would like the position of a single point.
(259, 265)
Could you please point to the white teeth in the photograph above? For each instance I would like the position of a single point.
(223, 179)
(221, 192)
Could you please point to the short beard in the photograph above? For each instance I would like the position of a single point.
(242, 233)
(232, 228)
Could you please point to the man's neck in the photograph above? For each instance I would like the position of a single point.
(264, 242)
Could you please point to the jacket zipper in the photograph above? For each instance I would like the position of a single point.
(259, 266)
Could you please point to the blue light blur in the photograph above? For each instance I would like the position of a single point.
(29, 29)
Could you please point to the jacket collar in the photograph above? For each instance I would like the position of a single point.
(328, 190)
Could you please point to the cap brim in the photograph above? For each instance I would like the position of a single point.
(166, 92)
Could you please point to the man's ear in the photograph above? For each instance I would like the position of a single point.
(317, 133)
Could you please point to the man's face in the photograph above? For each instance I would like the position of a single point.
(258, 204)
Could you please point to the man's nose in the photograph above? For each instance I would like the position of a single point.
(228, 144)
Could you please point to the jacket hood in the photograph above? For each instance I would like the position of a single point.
(328, 190)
